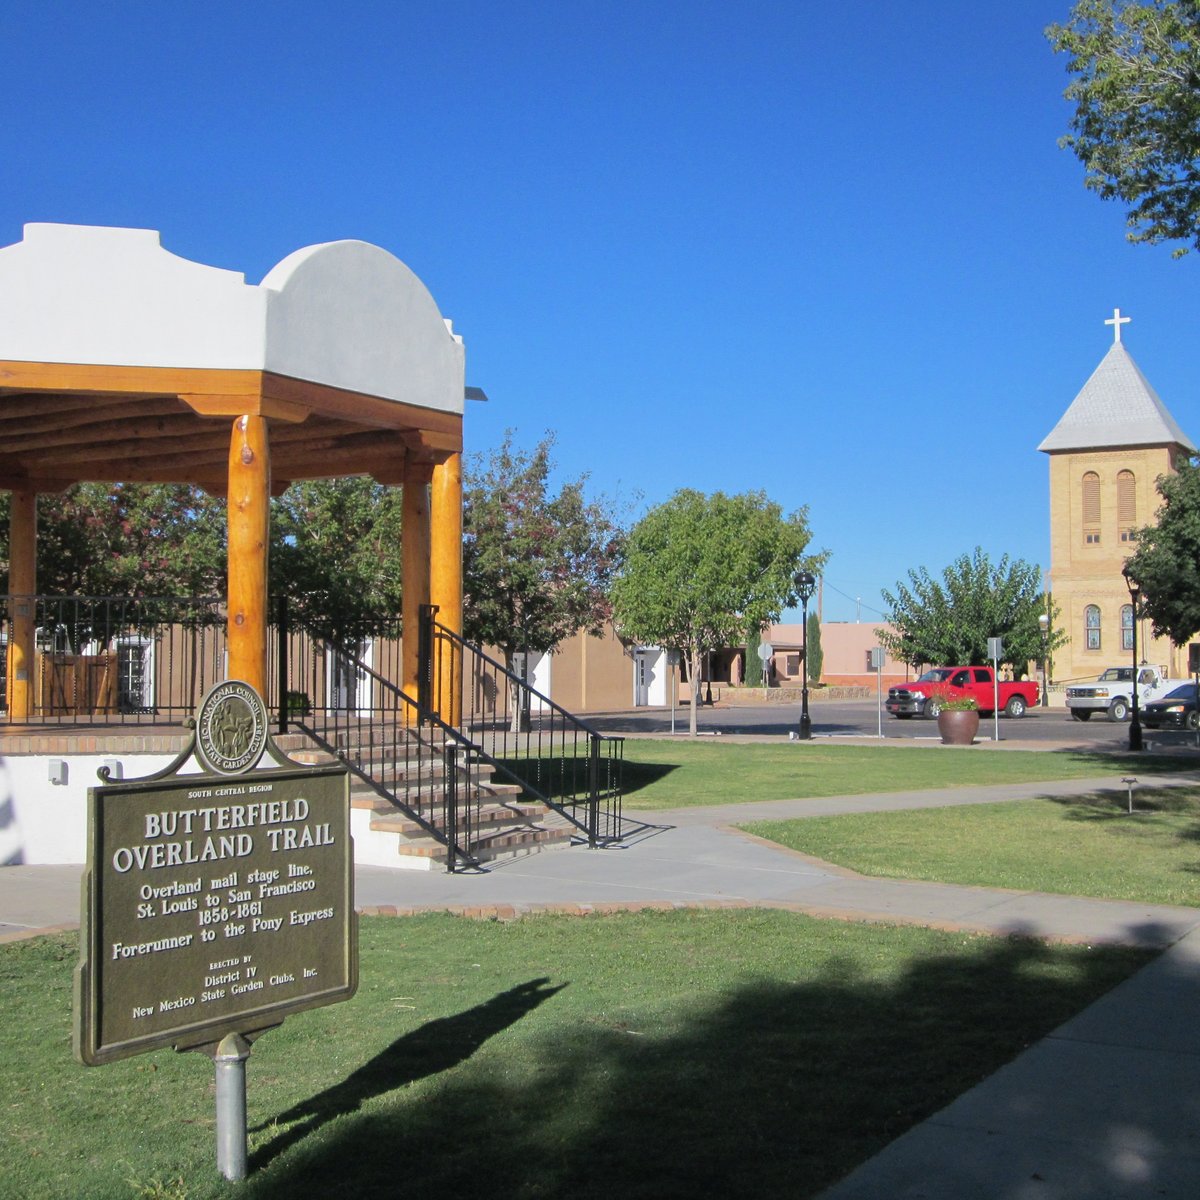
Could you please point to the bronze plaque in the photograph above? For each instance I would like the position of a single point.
(213, 904)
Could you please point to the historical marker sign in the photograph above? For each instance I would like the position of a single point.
(214, 903)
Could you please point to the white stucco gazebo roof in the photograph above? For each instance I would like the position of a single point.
(115, 354)
(1116, 407)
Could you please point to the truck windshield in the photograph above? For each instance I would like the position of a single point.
(1117, 675)
(937, 675)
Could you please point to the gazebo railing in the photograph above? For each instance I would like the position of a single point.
(115, 659)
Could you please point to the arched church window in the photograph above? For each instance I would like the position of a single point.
(1126, 504)
(1127, 627)
(1091, 509)
(1091, 626)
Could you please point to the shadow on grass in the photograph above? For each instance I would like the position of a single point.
(435, 1047)
(773, 1090)
(1112, 804)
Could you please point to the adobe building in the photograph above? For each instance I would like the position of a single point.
(1106, 453)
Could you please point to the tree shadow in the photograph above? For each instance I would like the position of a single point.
(434, 1047)
(769, 1090)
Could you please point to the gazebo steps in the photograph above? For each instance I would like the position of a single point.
(387, 833)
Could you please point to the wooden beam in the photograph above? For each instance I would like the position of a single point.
(212, 405)
(53, 418)
(143, 428)
(95, 378)
(357, 406)
(21, 405)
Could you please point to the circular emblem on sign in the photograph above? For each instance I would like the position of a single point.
(231, 728)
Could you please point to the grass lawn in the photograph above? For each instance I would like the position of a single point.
(1078, 845)
(652, 1055)
(661, 773)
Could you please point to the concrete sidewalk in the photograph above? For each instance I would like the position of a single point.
(1107, 1106)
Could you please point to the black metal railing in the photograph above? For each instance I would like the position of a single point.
(528, 739)
(472, 718)
(115, 659)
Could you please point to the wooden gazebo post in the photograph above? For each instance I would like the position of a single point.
(249, 539)
(22, 585)
(414, 538)
(446, 585)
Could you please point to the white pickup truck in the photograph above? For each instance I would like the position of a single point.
(1112, 693)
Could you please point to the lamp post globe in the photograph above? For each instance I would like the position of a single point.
(805, 582)
(1135, 724)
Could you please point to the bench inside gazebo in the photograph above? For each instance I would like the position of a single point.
(121, 362)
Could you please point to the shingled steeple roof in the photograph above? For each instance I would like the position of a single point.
(1116, 407)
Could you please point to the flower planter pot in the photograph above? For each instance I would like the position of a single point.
(958, 727)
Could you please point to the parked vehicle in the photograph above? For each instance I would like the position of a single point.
(1176, 710)
(924, 696)
(1112, 693)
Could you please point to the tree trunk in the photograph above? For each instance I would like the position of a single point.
(694, 657)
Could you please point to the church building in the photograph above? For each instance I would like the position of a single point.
(1106, 454)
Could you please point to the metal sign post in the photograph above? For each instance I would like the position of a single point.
(765, 652)
(875, 663)
(995, 653)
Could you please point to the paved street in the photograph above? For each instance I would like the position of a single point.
(861, 718)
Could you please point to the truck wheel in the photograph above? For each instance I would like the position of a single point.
(1081, 714)
(932, 708)
(1015, 706)
(1118, 710)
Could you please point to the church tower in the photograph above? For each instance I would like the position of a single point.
(1107, 451)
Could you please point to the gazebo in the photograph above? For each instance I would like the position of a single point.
(122, 362)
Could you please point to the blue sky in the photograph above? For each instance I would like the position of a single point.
(828, 251)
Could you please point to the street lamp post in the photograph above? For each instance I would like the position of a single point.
(805, 582)
(1135, 724)
(1044, 626)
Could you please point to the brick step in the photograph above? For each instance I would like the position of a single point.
(510, 843)
(489, 815)
(363, 795)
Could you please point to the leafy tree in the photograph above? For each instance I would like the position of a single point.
(537, 564)
(335, 552)
(815, 655)
(949, 621)
(1136, 127)
(127, 540)
(1167, 559)
(701, 569)
(754, 664)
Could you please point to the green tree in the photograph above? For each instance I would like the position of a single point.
(949, 621)
(815, 655)
(754, 664)
(1136, 126)
(701, 569)
(1166, 561)
(335, 552)
(127, 539)
(537, 563)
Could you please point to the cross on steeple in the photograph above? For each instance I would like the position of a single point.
(1116, 321)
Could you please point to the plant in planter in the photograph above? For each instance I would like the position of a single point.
(958, 720)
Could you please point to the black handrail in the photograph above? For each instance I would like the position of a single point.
(555, 756)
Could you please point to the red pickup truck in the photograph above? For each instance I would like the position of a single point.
(921, 697)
